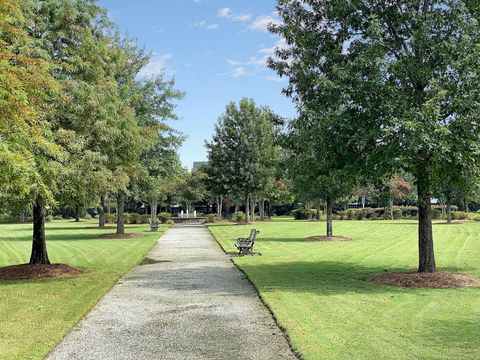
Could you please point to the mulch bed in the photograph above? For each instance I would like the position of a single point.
(436, 280)
(124, 236)
(34, 272)
(327, 238)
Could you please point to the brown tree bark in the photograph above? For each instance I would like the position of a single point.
(247, 209)
(329, 217)
(77, 213)
(449, 211)
(120, 213)
(39, 253)
(426, 255)
(101, 214)
(153, 209)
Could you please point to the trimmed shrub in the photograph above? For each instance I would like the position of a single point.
(303, 214)
(127, 218)
(88, 216)
(164, 217)
(397, 213)
(459, 215)
(57, 217)
(110, 218)
(135, 218)
(239, 217)
(211, 219)
(170, 222)
(144, 219)
(48, 218)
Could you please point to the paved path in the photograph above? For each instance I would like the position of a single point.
(194, 305)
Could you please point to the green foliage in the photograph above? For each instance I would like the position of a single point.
(211, 219)
(459, 215)
(303, 214)
(238, 217)
(164, 217)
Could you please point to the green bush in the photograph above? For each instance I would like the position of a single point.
(397, 213)
(7, 219)
(211, 219)
(436, 213)
(88, 216)
(373, 215)
(57, 217)
(145, 219)
(135, 218)
(110, 218)
(239, 217)
(303, 214)
(164, 217)
(127, 218)
(475, 217)
(459, 215)
(48, 218)
(170, 222)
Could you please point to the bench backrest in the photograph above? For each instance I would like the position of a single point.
(253, 235)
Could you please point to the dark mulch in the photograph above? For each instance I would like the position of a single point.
(435, 280)
(33, 272)
(124, 236)
(327, 238)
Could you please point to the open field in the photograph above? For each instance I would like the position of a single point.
(35, 315)
(318, 293)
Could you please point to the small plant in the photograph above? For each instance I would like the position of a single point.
(170, 222)
(135, 218)
(303, 214)
(239, 217)
(145, 219)
(57, 217)
(110, 218)
(88, 216)
(211, 219)
(48, 218)
(127, 218)
(164, 217)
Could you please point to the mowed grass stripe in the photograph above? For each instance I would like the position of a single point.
(37, 314)
(318, 293)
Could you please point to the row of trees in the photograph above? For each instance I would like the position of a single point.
(78, 123)
(383, 87)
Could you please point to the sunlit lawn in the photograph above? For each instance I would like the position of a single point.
(318, 293)
(35, 315)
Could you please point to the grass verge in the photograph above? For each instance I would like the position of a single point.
(36, 314)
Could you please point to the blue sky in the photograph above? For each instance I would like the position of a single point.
(215, 49)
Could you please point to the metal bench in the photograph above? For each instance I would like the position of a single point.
(245, 245)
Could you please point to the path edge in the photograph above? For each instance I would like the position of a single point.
(284, 331)
(50, 352)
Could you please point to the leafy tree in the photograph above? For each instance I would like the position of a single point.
(240, 151)
(406, 72)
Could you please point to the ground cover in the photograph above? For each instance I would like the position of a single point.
(318, 290)
(36, 314)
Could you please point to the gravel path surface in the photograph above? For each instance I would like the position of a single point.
(195, 304)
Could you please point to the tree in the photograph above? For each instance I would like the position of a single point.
(408, 73)
(240, 152)
(28, 154)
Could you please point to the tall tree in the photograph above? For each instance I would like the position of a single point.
(408, 73)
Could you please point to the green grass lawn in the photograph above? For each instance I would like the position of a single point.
(318, 293)
(35, 315)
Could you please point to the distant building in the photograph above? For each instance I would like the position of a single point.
(198, 164)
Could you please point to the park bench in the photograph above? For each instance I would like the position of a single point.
(153, 225)
(245, 245)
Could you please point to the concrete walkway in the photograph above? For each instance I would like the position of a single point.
(193, 305)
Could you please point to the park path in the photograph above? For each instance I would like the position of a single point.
(195, 304)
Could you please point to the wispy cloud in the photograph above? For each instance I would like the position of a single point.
(157, 66)
(206, 25)
(239, 71)
(226, 13)
(261, 23)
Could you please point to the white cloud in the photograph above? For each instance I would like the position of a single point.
(224, 13)
(242, 17)
(261, 23)
(206, 25)
(275, 78)
(234, 62)
(239, 71)
(281, 44)
(157, 66)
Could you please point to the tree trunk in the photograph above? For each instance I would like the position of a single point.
(23, 217)
(247, 209)
(391, 208)
(466, 208)
(39, 253)
(101, 214)
(449, 211)
(153, 209)
(253, 204)
(262, 209)
(426, 256)
(318, 211)
(329, 217)
(363, 201)
(236, 208)
(120, 213)
(77, 213)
